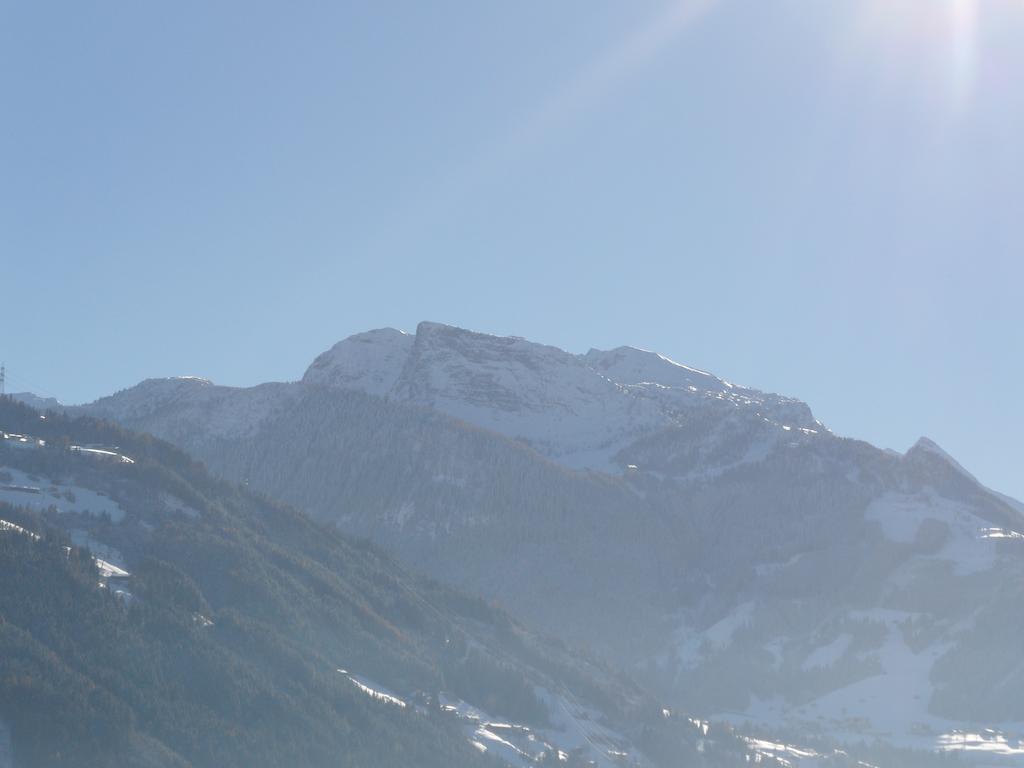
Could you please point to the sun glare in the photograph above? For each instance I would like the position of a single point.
(936, 38)
(963, 26)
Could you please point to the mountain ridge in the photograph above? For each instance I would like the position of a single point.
(666, 527)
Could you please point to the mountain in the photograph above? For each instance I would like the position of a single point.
(577, 409)
(722, 543)
(152, 615)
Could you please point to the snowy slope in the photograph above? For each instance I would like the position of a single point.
(21, 489)
(673, 384)
(369, 362)
(577, 409)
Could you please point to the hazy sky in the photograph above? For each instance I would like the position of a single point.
(824, 199)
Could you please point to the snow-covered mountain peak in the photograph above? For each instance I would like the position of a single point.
(541, 394)
(369, 362)
(681, 386)
(578, 408)
(629, 365)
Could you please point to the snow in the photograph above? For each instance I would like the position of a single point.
(105, 453)
(1000, 533)
(462, 709)
(720, 633)
(109, 570)
(6, 525)
(828, 654)
(967, 547)
(83, 540)
(891, 705)
(574, 726)
(990, 741)
(895, 699)
(630, 365)
(28, 491)
(370, 362)
(23, 442)
(691, 643)
(167, 404)
(124, 596)
(506, 750)
(780, 751)
(539, 394)
(579, 410)
(174, 504)
(373, 690)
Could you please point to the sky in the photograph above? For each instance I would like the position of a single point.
(822, 199)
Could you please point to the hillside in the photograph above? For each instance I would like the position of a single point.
(719, 541)
(153, 615)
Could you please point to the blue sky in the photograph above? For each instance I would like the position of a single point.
(820, 199)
